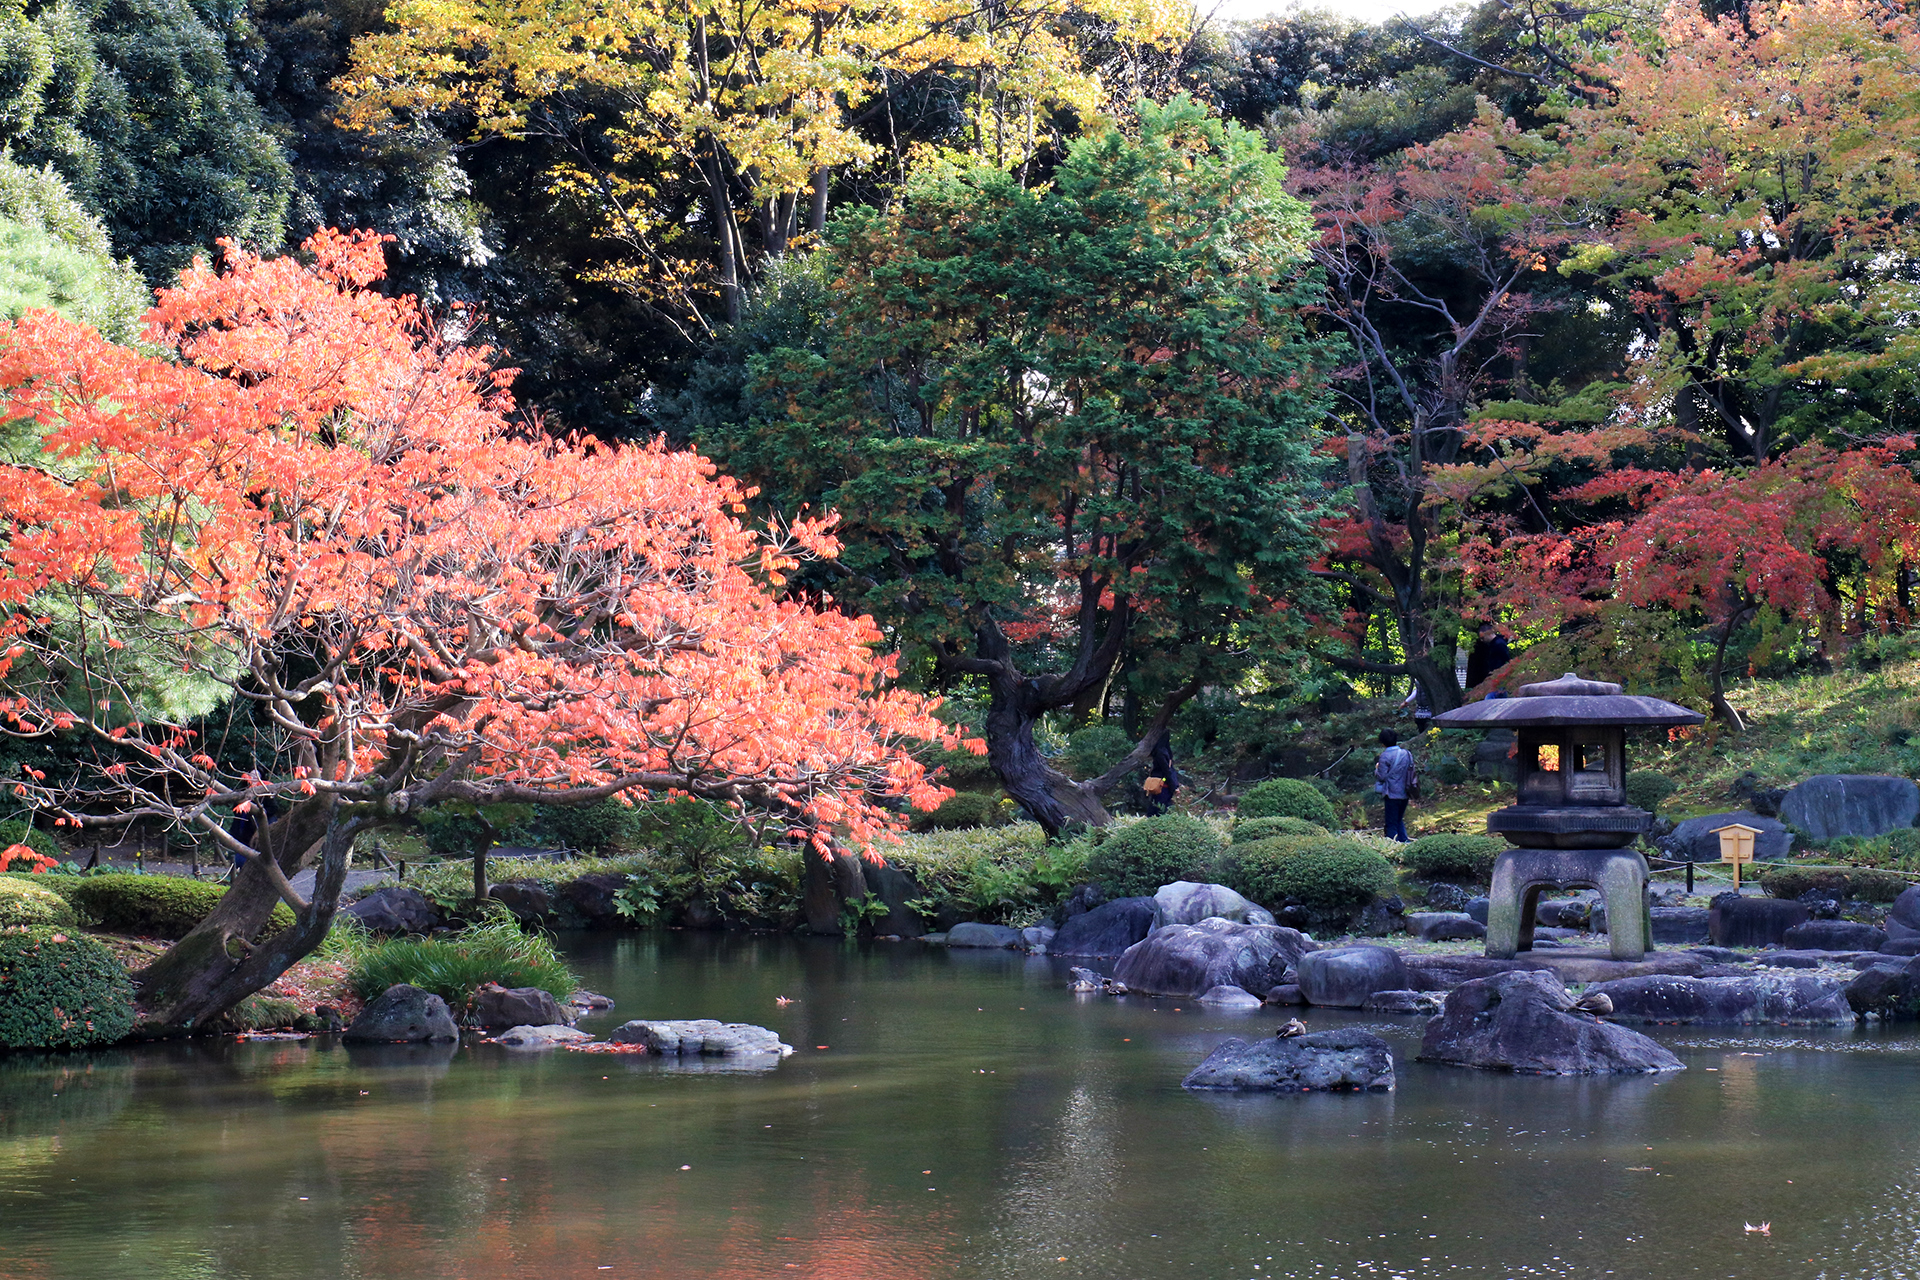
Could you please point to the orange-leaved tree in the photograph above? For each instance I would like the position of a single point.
(316, 505)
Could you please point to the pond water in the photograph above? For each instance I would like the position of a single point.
(945, 1115)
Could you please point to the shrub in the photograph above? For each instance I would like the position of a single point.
(17, 832)
(453, 967)
(1864, 883)
(1288, 798)
(1450, 771)
(1324, 875)
(153, 906)
(1139, 858)
(61, 991)
(1006, 875)
(1648, 789)
(1093, 750)
(22, 902)
(1453, 857)
(1248, 830)
(961, 811)
(585, 827)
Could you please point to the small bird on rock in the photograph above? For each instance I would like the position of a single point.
(1292, 1027)
(1597, 1003)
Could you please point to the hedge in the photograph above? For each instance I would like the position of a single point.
(61, 991)
(1288, 798)
(22, 902)
(1324, 875)
(1453, 857)
(1248, 830)
(1136, 860)
(151, 906)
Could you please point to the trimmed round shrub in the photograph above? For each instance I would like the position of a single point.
(152, 906)
(1452, 857)
(22, 902)
(961, 811)
(1138, 859)
(17, 832)
(1648, 789)
(61, 991)
(1322, 875)
(1248, 830)
(1288, 798)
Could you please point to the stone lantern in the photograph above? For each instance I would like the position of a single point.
(1572, 824)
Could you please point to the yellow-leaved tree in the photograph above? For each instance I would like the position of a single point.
(707, 133)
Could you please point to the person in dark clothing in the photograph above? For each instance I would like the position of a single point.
(1396, 781)
(1160, 769)
(1490, 652)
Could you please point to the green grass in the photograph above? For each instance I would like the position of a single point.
(454, 966)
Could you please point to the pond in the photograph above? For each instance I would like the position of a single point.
(945, 1115)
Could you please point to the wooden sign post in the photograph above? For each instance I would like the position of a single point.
(1736, 846)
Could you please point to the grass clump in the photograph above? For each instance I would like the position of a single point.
(1249, 830)
(150, 906)
(960, 811)
(454, 966)
(61, 991)
(24, 903)
(1137, 859)
(1288, 798)
(1455, 858)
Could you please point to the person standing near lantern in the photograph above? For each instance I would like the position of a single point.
(1397, 780)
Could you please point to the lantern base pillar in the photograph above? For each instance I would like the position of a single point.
(1521, 875)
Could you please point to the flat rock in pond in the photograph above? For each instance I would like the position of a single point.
(403, 1014)
(1343, 977)
(1762, 998)
(1524, 1022)
(1190, 902)
(1426, 1002)
(548, 1037)
(1830, 806)
(584, 999)
(1444, 972)
(701, 1036)
(1834, 935)
(395, 909)
(1739, 921)
(1185, 960)
(1225, 997)
(1443, 926)
(1105, 930)
(1287, 993)
(495, 1007)
(1319, 1061)
(972, 933)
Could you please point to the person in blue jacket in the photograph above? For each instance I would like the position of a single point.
(1397, 781)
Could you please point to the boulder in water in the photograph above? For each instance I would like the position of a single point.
(1319, 1061)
(1105, 930)
(1524, 1022)
(1731, 1001)
(701, 1036)
(1225, 997)
(1189, 902)
(547, 1037)
(973, 933)
(403, 1014)
(495, 1007)
(1343, 977)
(1185, 960)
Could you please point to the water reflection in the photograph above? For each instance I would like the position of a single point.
(945, 1115)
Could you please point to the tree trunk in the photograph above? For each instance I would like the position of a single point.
(1050, 797)
(817, 213)
(1722, 709)
(199, 978)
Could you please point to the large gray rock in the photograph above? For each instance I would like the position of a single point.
(496, 1007)
(403, 1014)
(1762, 998)
(1478, 909)
(1832, 805)
(1322, 1060)
(1231, 998)
(395, 909)
(1835, 935)
(1188, 902)
(895, 888)
(1890, 991)
(1106, 930)
(1738, 921)
(1903, 920)
(595, 898)
(1680, 926)
(988, 936)
(1343, 977)
(1694, 840)
(1444, 926)
(1186, 960)
(702, 1036)
(1524, 1022)
(548, 1037)
(529, 901)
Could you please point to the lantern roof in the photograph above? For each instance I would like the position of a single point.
(1570, 700)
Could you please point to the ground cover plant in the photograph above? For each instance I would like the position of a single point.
(455, 965)
(60, 990)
